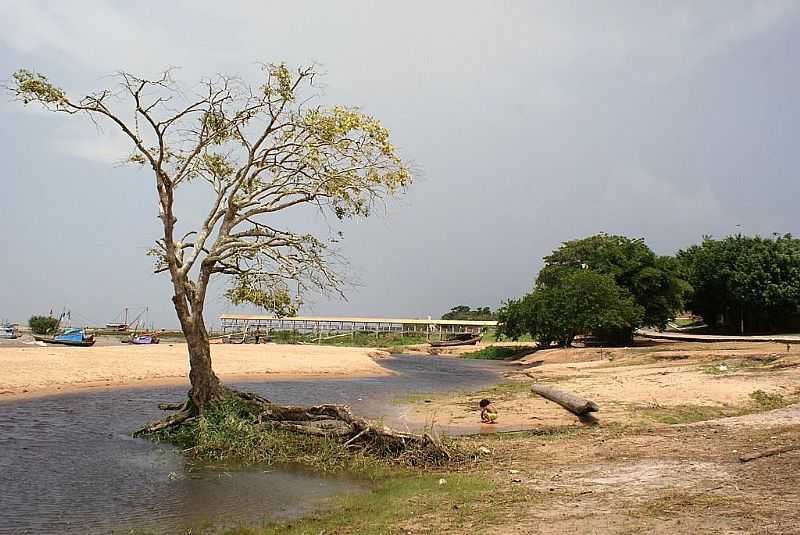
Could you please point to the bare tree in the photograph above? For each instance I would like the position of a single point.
(261, 150)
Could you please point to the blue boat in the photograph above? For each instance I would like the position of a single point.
(69, 337)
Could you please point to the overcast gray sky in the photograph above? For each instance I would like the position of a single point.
(530, 123)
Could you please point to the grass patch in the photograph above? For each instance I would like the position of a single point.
(676, 503)
(490, 335)
(545, 433)
(229, 432)
(688, 322)
(500, 353)
(767, 400)
(354, 339)
(686, 414)
(747, 364)
(390, 503)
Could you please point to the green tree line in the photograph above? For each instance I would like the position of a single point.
(463, 312)
(608, 286)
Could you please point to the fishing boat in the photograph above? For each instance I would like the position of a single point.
(140, 334)
(145, 339)
(70, 336)
(9, 331)
(142, 339)
(462, 339)
(119, 325)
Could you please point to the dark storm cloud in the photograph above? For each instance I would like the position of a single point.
(530, 123)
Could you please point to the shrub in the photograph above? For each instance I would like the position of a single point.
(583, 302)
(42, 324)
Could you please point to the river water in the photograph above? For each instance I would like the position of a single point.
(68, 464)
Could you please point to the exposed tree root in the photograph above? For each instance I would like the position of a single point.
(183, 414)
(334, 421)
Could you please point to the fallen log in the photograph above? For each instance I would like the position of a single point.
(574, 404)
(768, 453)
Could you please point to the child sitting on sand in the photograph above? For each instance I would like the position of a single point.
(488, 412)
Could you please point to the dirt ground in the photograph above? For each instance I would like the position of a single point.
(664, 457)
(630, 384)
(37, 370)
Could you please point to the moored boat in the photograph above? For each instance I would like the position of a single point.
(462, 339)
(142, 339)
(68, 337)
(9, 331)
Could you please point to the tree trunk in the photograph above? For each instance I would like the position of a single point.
(205, 383)
(572, 403)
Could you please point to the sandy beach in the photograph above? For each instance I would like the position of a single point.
(628, 383)
(36, 370)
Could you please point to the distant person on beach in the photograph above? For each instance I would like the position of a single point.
(488, 412)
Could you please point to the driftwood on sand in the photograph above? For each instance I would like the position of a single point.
(768, 453)
(574, 404)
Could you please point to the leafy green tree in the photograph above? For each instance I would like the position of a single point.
(260, 150)
(463, 312)
(42, 324)
(745, 283)
(582, 302)
(653, 281)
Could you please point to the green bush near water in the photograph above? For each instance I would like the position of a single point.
(230, 432)
(499, 352)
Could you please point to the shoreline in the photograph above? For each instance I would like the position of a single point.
(67, 389)
(36, 372)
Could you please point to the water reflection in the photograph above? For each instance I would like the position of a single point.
(68, 465)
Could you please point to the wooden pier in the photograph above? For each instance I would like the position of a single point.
(326, 326)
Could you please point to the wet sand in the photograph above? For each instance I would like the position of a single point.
(35, 370)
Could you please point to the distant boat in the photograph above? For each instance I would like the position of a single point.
(9, 331)
(140, 335)
(462, 339)
(120, 325)
(142, 339)
(145, 339)
(69, 337)
(125, 324)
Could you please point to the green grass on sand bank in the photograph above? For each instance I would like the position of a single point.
(500, 352)
(760, 401)
(402, 485)
(231, 432)
(392, 502)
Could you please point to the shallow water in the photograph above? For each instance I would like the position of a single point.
(68, 464)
